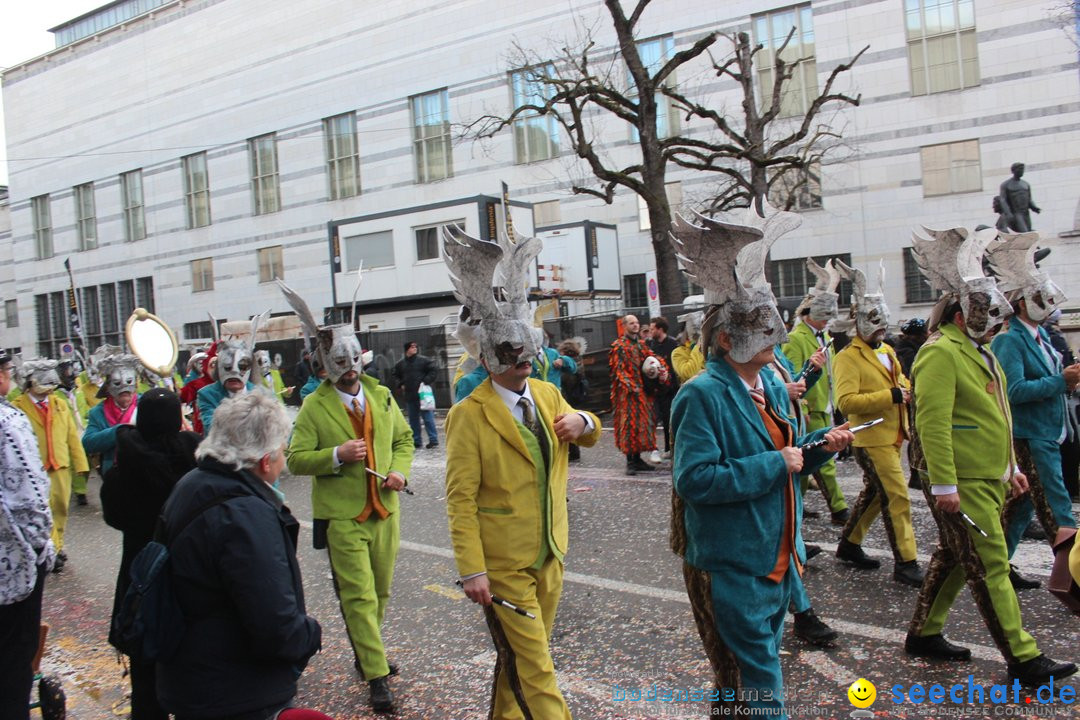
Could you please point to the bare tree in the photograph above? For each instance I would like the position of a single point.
(582, 87)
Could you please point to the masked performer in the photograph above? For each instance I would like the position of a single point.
(270, 377)
(1038, 382)
(632, 404)
(737, 508)
(233, 371)
(118, 391)
(965, 430)
(506, 478)
(203, 363)
(349, 429)
(816, 311)
(58, 441)
(869, 384)
(68, 391)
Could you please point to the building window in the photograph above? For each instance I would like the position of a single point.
(342, 156)
(271, 266)
(125, 296)
(942, 48)
(634, 292)
(202, 274)
(109, 323)
(11, 313)
(86, 216)
(374, 249)
(58, 311)
(536, 137)
(144, 293)
(198, 330)
(91, 315)
(262, 152)
(547, 213)
(417, 321)
(654, 53)
(429, 239)
(916, 288)
(801, 185)
(951, 168)
(431, 136)
(793, 280)
(674, 198)
(771, 30)
(43, 244)
(196, 190)
(131, 191)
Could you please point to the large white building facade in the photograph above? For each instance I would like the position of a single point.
(183, 154)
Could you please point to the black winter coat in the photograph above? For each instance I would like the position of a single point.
(247, 635)
(411, 371)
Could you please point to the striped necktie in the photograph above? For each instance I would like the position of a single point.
(528, 419)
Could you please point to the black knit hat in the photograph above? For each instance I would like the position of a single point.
(158, 413)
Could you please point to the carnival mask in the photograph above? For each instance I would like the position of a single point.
(339, 351)
(66, 372)
(1043, 299)
(872, 318)
(39, 376)
(504, 343)
(752, 323)
(233, 362)
(984, 306)
(262, 361)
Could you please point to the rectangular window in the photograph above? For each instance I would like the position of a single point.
(125, 292)
(654, 54)
(196, 190)
(198, 330)
(109, 323)
(770, 31)
(799, 186)
(547, 213)
(202, 274)
(58, 311)
(91, 313)
(634, 292)
(11, 313)
(942, 48)
(431, 136)
(674, 198)
(916, 288)
(86, 216)
(791, 279)
(131, 192)
(374, 249)
(43, 244)
(144, 293)
(270, 265)
(536, 136)
(951, 168)
(342, 156)
(429, 239)
(262, 152)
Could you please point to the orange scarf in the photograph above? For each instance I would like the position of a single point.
(46, 419)
(363, 428)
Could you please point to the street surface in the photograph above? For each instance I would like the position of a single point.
(624, 625)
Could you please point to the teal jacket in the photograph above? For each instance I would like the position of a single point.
(544, 369)
(730, 475)
(1036, 389)
(208, 399)
(962, 427)
(99, 438)
(469, 382)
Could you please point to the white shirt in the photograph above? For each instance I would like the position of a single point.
(511, 399)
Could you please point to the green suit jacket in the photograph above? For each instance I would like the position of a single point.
(323, 424)
(800, 346)
(964, 430)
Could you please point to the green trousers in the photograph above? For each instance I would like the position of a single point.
(965, 555)
(826, 474)
(362, 559)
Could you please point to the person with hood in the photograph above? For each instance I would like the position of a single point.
(151, 457)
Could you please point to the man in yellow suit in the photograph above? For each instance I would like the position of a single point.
(507, 450)
(58, 441)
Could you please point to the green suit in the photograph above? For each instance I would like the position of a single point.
(816, 404)
(963, 422)
(362, 554)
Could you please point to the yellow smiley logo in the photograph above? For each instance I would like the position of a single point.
(862, 693)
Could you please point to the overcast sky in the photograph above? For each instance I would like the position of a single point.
(24, 34)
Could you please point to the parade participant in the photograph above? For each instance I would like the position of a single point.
(550, 363)
(270, 377)
(912, 336)
(663, 345)
(68, 391)
(506, 480)
(470, 371)
(869, 383)
(89, 381)
(965, 430)
(410, 373)
(313, 381)
(58, 441)
(348, 431)
(26, 550)
(189, 394)
(232, 553)
(816, 311)
(232, 373)
(687, 360)
(121, 401)
(736, 509)
(632, 406)
(1038, 383)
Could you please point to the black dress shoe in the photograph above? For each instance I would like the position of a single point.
(840, 517)
(908, 573)
(812, 551)
(392, 666)
(809, 627)
(60, 562)
(810, 514)
(1040, 670)
(432, 445)
(80, 499)
(381, 698)
(936, 647)
(631, 468)
(854, 554)
(1019, 582)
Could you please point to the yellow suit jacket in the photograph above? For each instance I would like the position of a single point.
(67, 446)
(863, 390)
(491, 490)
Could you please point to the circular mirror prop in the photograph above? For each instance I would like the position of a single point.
(152, 341)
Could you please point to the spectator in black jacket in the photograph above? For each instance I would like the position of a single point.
(663, 345)
(409, 373)
(247, 635)
(912, 336)
(151, 457)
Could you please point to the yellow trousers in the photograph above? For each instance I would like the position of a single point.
(884, 485)
(524, 674)
(59, 502)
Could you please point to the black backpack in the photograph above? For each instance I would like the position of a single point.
(149, 624)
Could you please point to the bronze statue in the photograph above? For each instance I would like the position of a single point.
(1014, 202)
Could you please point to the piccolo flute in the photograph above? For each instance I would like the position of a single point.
(858, 428)
(496, 600)
(382, 477)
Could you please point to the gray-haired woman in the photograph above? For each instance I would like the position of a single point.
(232, 544)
